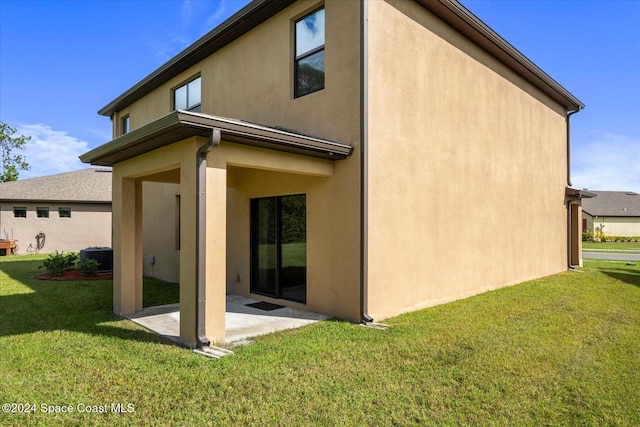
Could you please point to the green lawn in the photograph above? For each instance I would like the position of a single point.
(563, 350)
(623, 247)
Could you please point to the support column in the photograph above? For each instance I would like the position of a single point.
(188, 253)
(576, 234)
(216, 252)
(127, 246)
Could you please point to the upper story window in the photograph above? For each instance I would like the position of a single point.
(126, 124)
(309, 58)
(187, 96)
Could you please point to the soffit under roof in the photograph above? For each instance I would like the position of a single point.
(180, 125)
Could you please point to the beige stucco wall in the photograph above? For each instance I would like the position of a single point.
(467, 167)
(252, 78)
(616, 226)
(160, 218)
(89, 225)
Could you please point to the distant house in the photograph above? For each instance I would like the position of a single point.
(617, 211)
(64, 212)
(359, 159)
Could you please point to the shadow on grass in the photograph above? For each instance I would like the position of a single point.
(80, 306)
(626, 275)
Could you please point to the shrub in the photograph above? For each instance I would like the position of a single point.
(59, 262)
(88, 266)
(587, 236)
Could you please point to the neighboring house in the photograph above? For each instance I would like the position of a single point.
(617, 211)
(64, 212)
(359, 159)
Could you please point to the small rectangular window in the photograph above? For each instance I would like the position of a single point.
(42, 212)
(64, 212)
(309, 53)
(188, 96)
(19, 212)
(126, 125)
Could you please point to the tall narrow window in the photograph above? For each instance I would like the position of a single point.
(188, 96)
(309, 56)
(125, 125)
(279, 247)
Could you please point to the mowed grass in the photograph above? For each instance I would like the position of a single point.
(562, 350)
(626, 247)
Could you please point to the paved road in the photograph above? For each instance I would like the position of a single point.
(611, 255)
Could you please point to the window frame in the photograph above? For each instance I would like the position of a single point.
(125, 124)
(42, 212)
(22, 209)
(195, 107)
(297, 58)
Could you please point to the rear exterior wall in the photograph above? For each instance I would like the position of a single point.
(467, 167)
(89, 225)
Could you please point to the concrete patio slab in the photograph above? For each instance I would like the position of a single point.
(242, 322)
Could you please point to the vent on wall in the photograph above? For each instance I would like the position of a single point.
(103, 255)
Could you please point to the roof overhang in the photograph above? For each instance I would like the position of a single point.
(573, 194)
(258, 11)
(465, 22)
(180, 125)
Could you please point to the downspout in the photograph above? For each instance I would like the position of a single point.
(569, 234)
(569, 114)
(364, 180)
(201, 235)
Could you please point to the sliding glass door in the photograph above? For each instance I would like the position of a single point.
(279, 247)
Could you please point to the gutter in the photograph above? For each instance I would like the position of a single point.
(364, 167)
(201, 235)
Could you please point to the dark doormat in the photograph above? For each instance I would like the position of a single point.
(266, 306)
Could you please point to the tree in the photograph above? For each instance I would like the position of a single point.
(9, 144)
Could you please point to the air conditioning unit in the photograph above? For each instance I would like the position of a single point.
(103, 255)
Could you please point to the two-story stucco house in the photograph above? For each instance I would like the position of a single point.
(357, 158)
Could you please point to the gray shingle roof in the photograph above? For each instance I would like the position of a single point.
(612, 203)
(91, 185)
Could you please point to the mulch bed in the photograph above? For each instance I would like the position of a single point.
(75, 275)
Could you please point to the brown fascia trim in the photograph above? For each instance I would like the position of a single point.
(180, 125)
(573, 194)
(469, 25)
(249, 17)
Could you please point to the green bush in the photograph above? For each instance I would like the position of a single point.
(88, 266)
(59, 262)
(587, 236)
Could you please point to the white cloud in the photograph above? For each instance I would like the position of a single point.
(50, 151)
(610, 162)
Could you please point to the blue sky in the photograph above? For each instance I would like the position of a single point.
(61, 61)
